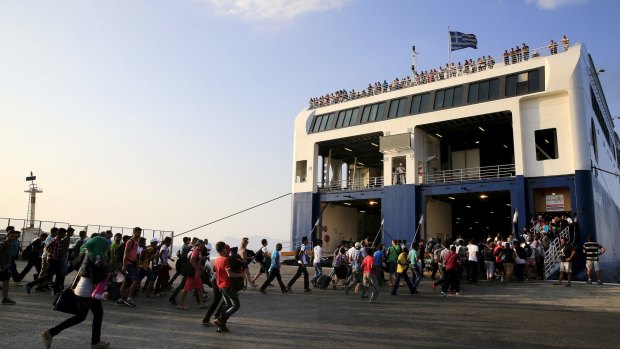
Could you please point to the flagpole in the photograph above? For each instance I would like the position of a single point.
(449, 48)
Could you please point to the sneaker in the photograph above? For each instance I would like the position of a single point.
(589, 282)
(222, 329)
(100, 345)
(262, 290)
(207, 324)
(182, 307)
(459, 293)
(120, 301)
(129, 302)
(28, 289)
(288, 289)
(334, 286)
(18, 283)
(47, 339)
(307, 290)
(346, 291)
(6, 301)
(599, 282)
(173, 301)
(444, 294)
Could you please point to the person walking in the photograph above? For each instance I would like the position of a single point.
(302, 262)
(401, 272)
(317, 262)
(83, 289)
(5, 262)
(274, 270)
(370, 276)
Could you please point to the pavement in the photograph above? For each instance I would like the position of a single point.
(534, 314)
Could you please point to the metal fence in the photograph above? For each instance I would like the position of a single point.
(470, 174)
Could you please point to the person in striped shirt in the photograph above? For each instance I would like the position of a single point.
(593, 250)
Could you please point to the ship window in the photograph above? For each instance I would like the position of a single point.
(330, 121)
(522, 83)
(373, 112)
(473, 93)
(397, 108)
(483, 91)
(533, 83)
(301, 171)
(458, 96)
(447, 98)
(340, 120)
(439, 99)
(419, 103)
(493, 89)
(424, 103)
(546, 144)
(511, 85)
(354, 117)
(593, 139)
(365, 114)
(317, 123)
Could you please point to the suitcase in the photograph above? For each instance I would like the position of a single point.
(323, 281)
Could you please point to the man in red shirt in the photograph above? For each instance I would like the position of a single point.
(451, 262)
(223, 273)
(370, 276)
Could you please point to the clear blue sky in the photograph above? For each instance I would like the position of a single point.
(170, 114)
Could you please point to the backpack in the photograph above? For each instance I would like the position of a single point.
(298, 253)
(528, 250)
(119, 253)
(236, 266)
(260, 256)
(507, 256)
(26, 252)
(437, 253)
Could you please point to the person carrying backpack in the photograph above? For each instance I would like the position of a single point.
(302, 259)
(392, 260)
(263, 258)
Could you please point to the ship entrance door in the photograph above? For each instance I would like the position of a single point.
(353, 220)
(471, 215)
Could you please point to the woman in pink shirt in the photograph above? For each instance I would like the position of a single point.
(451, 262)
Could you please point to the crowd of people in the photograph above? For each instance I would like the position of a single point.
(469, 66)
(120, 268)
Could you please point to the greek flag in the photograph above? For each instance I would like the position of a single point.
(460, 40)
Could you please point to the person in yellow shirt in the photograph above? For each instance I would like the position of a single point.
(401, 272)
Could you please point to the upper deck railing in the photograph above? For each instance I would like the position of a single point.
(471, 174)
(442, 73)
(352, 185)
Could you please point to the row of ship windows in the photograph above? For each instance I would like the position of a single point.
(480, 91)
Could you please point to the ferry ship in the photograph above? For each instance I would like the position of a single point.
(470, 153)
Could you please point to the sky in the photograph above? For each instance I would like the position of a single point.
(172, 114)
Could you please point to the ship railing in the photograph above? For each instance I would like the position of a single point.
(37, 227)
(552, 254)
(423, 78)
(470, 174)
(368, 183)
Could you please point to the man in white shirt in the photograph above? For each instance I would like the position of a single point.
(472, 260)
(316, 262)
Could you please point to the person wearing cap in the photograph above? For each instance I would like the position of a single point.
(355, 261)
(567, 254)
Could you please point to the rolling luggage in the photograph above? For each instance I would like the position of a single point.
(323, 281)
